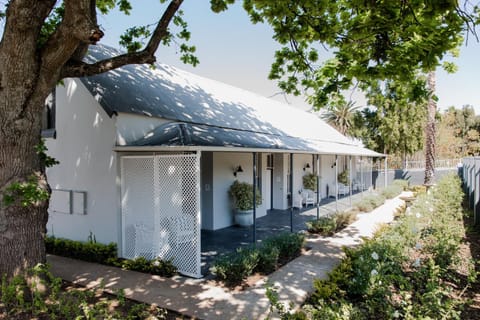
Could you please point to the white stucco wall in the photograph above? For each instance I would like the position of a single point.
(299, 162)
(223, 165)
(85, 138)
(131, 127)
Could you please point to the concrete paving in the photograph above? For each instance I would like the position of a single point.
(201, 298)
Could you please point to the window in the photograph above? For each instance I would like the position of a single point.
(48, 118)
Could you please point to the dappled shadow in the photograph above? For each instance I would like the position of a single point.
(218, 242)
(205, 299)
(210, 108)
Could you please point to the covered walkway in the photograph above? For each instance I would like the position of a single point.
(215, 243)
(203, 299)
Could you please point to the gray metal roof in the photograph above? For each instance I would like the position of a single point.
(208, 112)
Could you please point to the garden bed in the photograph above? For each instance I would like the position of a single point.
(52, 298)
(419, 267)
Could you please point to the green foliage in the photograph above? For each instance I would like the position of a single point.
(41, 150)
(344, 177)
(370, 202)
(43, 297)
(134, 37)
(279, 309)
(328, 225)
(345, 218)
(86, 251)
(242, 195)
(404, 272)
(106, 254)
(370, 41)
(28, 193)
(310, 181)
(235, 267)
(220, 5)
(396, 123)
(458, 133)
(289, 244)
(324, 225)
(391, 191)
(402, 183)
(51, 24)
(164, 268)
(341, 117)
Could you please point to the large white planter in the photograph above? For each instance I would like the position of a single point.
(244, 218)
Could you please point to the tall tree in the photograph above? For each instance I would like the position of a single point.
(430, 132)
(372, 40)
(41, 43)
(340, 116)
(401, 116)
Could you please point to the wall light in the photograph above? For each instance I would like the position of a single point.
(237, 170)
(333, 165)
(306, 166)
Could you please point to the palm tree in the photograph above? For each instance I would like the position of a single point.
(430, 131)
(341, 117)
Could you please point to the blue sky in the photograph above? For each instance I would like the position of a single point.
(233, 50)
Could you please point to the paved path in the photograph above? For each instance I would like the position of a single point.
(200, 298)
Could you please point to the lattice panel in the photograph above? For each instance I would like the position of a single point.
(178, 179)
(138, 206)
(161, 209)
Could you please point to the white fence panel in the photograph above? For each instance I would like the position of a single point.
(471, 183)
(161, 209)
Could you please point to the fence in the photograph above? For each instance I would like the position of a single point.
(470, 173)
(418, 164)
(161, 209)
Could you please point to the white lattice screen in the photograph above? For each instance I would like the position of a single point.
(161, 209)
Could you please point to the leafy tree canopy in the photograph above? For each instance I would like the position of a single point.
(370, 41)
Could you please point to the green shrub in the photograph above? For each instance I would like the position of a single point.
(234, 267)
(164, 268)
(370, 202)
(418, 189)
(404, 272)
(310, 181)
(325, 226)
(344, 219)
(268, 259)
(92, 251)
(242, 195)
(86, 251)
(392, 191)
(402, 183)
(43, 297)
(289, 245)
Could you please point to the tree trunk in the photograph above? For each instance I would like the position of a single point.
(22, 227)
(430, 132)
(29, 71)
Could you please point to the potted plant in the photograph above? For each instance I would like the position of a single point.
(242, 196)
(310, 181)
(344, 177)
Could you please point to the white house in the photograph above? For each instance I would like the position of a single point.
(147, 156)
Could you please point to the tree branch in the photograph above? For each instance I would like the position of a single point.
(77, 28)
(147, 55)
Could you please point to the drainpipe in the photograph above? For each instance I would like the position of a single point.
(350, 178)
(318, 186)
(254, 231)
(336, 183)
(291, 192)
